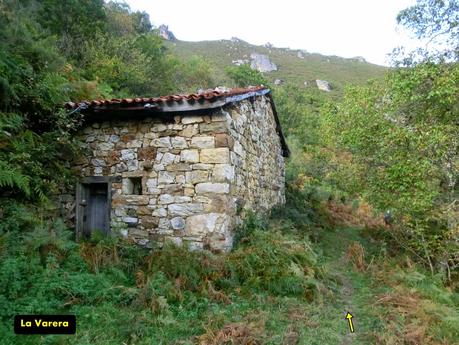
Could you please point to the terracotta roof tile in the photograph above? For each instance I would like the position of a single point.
(206, 99)
(208, 96)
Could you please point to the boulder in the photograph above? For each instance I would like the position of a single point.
(323, 85)
(262, 63)
(165, 33)
(240, 62)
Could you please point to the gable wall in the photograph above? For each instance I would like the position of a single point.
(256, 154)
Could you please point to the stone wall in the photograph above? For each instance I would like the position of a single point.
(194, 171)
(256, 154)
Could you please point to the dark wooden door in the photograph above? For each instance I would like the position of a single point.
(96, 213)
(93, 205)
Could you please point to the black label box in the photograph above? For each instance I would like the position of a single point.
(45, 324)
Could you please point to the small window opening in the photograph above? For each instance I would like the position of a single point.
(133, 186)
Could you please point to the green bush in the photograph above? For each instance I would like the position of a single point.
(245, 76)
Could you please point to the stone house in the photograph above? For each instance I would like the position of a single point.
(183, 168)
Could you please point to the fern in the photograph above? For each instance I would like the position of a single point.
(9, 122)
(40, 194)
(11, 177)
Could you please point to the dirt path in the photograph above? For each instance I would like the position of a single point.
(347, 292)
(341, 270)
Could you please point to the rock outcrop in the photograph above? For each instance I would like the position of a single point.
(165, 33)
(240, 62)
(262, 63)
(359, 59)
(323, 85)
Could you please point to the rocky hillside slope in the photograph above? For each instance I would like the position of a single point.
(281, 65)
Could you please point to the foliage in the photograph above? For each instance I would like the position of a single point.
(313, 166)
(95, 50)
(274, 283)
(127, 64)
(81, 19)
(263, 261)
(245, 76)
(403, 135)
(397, 301)
(31, 165)
(299, 113)
(398, 138)
(194, 74)
(275, 263)
(436, 21)
(251, 224)
(122, 22)
(424, 302)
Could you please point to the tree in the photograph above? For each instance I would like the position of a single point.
(73, 21)
(403, 135)
(193, 74)
(122, 22)
(437, 22)
(245, 76)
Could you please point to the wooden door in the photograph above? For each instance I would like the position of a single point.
(97, 208)
(93, 208)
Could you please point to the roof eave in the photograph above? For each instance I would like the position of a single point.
(189, 107)
(285, 149)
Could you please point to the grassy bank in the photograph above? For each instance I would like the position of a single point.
(273, 288)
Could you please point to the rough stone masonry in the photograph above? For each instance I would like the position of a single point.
(189, 177)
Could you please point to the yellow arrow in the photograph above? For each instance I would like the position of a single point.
(349, 319)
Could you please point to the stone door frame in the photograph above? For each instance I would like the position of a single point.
(82, 191)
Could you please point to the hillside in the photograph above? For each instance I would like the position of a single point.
(295, 66)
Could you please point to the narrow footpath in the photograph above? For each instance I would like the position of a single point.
(356, 291)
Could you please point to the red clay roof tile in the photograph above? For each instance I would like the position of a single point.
(209, 96)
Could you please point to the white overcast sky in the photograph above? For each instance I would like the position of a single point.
(346, 28)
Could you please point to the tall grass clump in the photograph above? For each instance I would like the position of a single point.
(265, 260)
(276, 263)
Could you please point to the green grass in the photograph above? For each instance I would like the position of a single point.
(391, 304)
(121, 294)
(272, 289)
